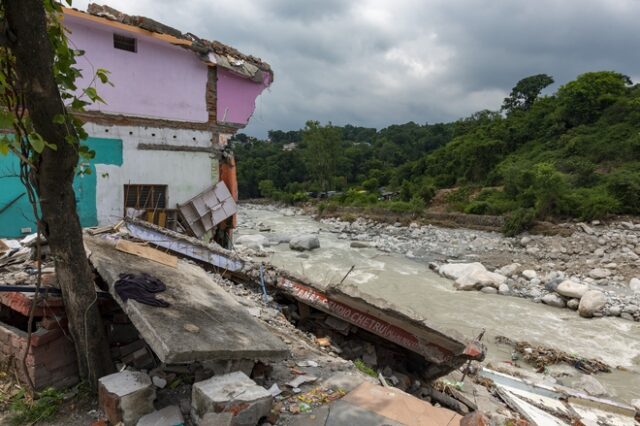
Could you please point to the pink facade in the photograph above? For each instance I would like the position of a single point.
(159, 80)
(237, 96)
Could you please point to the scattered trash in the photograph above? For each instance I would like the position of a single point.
(541, 356)
(300, 380)
(274, 390)
(306, 363)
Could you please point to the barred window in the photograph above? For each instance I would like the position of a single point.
(145, 196)
(124, 43)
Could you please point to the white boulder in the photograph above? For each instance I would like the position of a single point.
(509, 270)
(592, 301)
(457, 270)
(634, 285)
(304, 242)
(255, 242)
(569, 288)
(529, 274)
(599, 273)
(479, 279)
(552, 299)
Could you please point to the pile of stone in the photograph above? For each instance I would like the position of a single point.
(553, 289)
(601, 256)
(260, 242)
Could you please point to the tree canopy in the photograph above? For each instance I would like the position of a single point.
(573, 153)
(525, 92)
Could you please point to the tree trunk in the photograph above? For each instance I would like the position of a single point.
(54, 184)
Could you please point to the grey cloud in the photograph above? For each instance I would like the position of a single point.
(375, 62)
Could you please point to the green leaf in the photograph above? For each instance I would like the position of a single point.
(103, 75)
(6, 119)
(36, 141)
(78, 104)
(91, 93)
(58, 119)
(5, 143)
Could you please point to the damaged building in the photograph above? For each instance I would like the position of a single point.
(161, 135)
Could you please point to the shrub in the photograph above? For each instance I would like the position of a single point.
(267, 188)
(417, 205)
(400, 206)
(518, 221)
(426, 192)
(595, 203)
(459, 198)
(406, 191)
(478, 207)
(549, 187)
(371, 185)
(625, 186)
(321, 208)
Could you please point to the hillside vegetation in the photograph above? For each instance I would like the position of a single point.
(573, 154)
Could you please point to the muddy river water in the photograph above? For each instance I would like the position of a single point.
(411, 285)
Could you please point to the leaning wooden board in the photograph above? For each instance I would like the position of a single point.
(147, 252)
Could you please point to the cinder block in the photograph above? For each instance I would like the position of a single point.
(232, 393)
(126, 396)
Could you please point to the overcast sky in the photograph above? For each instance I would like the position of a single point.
(379, 62)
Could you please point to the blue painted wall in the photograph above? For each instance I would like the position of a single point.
(15, 209)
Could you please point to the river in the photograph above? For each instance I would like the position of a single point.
(411, 285)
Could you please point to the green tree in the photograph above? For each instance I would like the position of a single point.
(525, 92)
(549, 187)
(37, 75)
(584, 99)
(322, 151)
(267, 188)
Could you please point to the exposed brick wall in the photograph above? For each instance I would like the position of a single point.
(212, 94)
(21, 302)
(51, 360)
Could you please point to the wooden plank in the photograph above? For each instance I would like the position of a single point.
(147, 253)
(162, 219)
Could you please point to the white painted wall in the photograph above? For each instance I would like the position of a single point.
(186, 173)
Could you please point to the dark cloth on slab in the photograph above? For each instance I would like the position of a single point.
(141, 288)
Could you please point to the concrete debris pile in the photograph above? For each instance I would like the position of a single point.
(51, 359)
(229, 351)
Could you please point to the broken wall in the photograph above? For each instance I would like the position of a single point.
(237, 96)
(16, 213)
(158, 80)
(182, 159)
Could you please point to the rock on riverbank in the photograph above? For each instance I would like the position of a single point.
(556, 270)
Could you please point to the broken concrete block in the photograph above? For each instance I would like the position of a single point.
(168, 416)
(159, 382)
(126, 396)
(231, 393)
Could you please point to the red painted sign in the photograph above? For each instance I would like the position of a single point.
(361, 319)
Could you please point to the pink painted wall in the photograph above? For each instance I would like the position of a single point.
(237, 96)
(158, 81)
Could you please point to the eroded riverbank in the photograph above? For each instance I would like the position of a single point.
(405, 279)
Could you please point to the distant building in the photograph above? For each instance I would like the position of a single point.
(289, 146)
(161, 137)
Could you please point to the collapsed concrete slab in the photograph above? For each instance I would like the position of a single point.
(126, 396)
(444, 350)
(184, 245)
(231, 393)
(203, 322)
